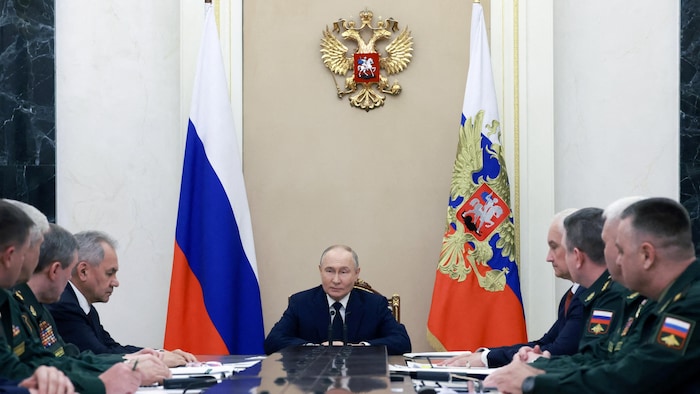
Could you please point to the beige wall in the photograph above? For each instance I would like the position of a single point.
(319, 172)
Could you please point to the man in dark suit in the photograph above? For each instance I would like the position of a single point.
(564, 335)
(93, 280)
(335, 313)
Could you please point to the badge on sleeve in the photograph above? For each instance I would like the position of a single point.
(599, 323)
(674, 332)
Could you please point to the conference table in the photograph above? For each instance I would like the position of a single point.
(314, 369)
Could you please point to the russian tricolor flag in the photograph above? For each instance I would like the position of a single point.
(214, 305)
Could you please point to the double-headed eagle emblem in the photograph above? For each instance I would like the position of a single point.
(366, 65)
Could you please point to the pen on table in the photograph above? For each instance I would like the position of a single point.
(135, 364)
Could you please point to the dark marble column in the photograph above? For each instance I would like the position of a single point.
(690, 112)
(27, 103)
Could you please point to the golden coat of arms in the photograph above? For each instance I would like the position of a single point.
(366, 66)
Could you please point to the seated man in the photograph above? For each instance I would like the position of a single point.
(93, 279)
(335, 313)
(658, 353)
(563, 337)
(21, 357)
(58, 256)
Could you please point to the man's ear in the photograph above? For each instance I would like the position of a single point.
(580, 256)
(53, 269)
(81, 271)
(649, 253)
(6, 256)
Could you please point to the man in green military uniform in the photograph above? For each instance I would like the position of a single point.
(628, 308)
(662, 354)
(57, 258)
(586, 262)
(21, 353)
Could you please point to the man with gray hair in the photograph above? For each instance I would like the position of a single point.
(36, 237)
(564, 335)
(334, 313)
(93, 280)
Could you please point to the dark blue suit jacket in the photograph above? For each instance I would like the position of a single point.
(367, 317)
(562, 338)
(84, 331)
(10, 386)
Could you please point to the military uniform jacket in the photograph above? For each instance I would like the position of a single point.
(10, 364)
(26, 345)
(661, 355)
(601, 303)
(633, 307)
(39, 320)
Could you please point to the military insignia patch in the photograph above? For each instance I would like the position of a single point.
(27, 323)
(19, 350)
(628, 324)
(674, 333)
(483, 213)
(590, 297)
(48, 338)
(15, 330)
(599, 323)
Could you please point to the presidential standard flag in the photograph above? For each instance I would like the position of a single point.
(476, 298)
(214, 305)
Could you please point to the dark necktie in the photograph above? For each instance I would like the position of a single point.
(567, 302)
(337, 323)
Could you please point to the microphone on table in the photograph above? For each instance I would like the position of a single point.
(330, 328)
(345, 329)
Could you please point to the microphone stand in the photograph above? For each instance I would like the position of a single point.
(330, 328)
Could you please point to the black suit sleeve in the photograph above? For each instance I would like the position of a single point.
(389, 332)
(286, 331)
(10, 387)
(561, 339)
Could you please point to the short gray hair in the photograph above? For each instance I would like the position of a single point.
(41, 223)
(59, 245)
(614, 210)
(90, 246)
(560, 216)
(343, 247)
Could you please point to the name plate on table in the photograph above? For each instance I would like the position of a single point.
(315, 369)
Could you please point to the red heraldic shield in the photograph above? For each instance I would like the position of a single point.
(366, 67)
(483, 212)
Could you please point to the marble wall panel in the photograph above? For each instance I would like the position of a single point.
(690, 112)
(27, 105)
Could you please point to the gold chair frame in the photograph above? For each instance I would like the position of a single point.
(393, 302)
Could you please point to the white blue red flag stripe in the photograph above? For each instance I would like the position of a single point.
(214, 305)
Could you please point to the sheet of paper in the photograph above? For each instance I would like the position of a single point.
(226, 369)
(416, 367)
(434, 354)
